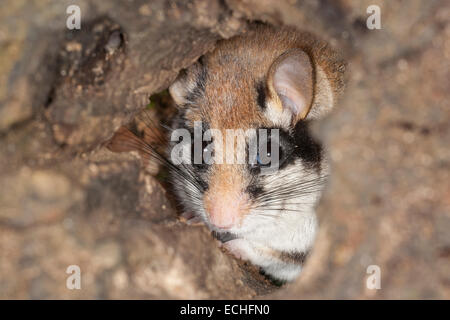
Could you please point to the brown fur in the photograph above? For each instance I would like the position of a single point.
(236, 64)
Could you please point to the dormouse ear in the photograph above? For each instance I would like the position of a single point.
(189, 84)
(179, 88)
(290, 85)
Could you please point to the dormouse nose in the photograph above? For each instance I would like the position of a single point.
(226, 210)
(225, 200)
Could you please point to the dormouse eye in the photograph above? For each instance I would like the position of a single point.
(267, 160)
(268, 155)
(206, 147)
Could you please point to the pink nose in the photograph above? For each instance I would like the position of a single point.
(222, 217)
(226, 211)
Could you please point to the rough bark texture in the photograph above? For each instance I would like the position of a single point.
(67, 200)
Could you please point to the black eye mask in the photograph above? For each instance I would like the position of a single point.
(307, 148)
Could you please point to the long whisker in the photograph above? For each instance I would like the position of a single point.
(150, 124)
(281, 198)
(125, 138)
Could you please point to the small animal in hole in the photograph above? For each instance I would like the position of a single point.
(267, 78)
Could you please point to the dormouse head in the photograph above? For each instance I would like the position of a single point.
(250, 99)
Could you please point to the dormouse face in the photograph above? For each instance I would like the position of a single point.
(256, 83)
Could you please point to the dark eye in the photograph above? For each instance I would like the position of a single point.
(268, 155)
(267, 159)
(206, 146)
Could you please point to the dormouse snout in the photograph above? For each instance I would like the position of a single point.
(226, 201)
(226, 210)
